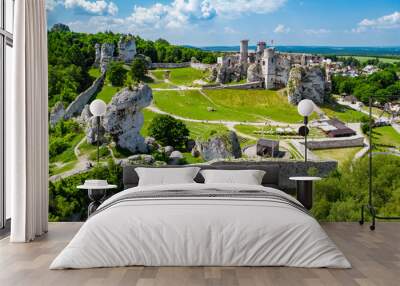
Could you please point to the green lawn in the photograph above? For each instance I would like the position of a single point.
(381, 59)
(107, 92)
(94, 72)
(233, 105)
(252, 131)
(65, 168)
(386, 136)
(158, 74)
(68, 155)
(339, 154)
(342, 112)
(196, 129)
(185, 76)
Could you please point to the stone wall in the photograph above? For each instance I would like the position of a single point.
(340, 142)
(289, 168)
(82, 99)
(249, 85)
(169, 65)
(201, 66)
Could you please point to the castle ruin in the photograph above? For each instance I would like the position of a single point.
(273, 68)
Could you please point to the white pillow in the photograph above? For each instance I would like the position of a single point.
(166, 176)
(247, 177)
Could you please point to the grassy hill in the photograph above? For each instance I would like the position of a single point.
(231, 105)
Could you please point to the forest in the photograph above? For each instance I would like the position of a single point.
(72, 54)
(384, 85)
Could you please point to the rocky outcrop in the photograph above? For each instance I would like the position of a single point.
(85, 115)
(231, 73)
(106, 55)
(306, 83)
(97, 49)
(254, 73)
(126, 48)
(92, 135)
(57, 113)
(219, 146)
(124, 119)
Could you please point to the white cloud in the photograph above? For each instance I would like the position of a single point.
(229, 30)
(181, 13)
(98, 7)
(51, 4)
(237, 7)
(112, 8)
(391, 21)
(281, 29)
(317, 31)
(178, 14)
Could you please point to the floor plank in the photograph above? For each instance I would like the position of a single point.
(375, 257)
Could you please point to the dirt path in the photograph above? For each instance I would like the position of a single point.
(224, 122)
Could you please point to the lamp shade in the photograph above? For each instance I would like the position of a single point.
(305, 107)
(98, 107)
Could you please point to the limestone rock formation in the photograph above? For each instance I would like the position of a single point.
(106, 55)
(141, 159)
(91, 131)
(126, 48)
(97, 49)
(231, 73)
(57, 113)
(254, 73)
(175, 158)
(85, 115)
(219, 146)
(306, 83)
(124, 119)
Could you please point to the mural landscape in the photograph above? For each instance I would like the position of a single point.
(169, 104)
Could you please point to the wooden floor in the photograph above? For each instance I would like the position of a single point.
(375, 257)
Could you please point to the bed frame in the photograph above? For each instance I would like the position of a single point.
(271, 178)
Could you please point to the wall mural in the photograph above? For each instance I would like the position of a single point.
(170, 104)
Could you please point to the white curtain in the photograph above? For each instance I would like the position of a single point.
(27, 127)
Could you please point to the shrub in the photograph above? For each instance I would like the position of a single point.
(116, 73)
(169, 131)
(57, 146)
(67, 203)
(138, 69)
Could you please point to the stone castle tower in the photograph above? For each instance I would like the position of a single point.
(269, 67)
(127, 48)
(244, 51)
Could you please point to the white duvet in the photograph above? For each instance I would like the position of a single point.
(202, 232)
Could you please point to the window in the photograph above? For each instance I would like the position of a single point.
(6, 43)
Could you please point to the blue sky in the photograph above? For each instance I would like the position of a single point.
(225, 22)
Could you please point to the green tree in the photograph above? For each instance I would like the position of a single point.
(116, 73)
(138, 69)
(169, 131)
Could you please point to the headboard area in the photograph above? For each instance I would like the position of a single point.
(271, 178)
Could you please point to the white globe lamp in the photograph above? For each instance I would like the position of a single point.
(98, 108)
(305, 107)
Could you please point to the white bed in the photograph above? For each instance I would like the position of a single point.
(201, 231)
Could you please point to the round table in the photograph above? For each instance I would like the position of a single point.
(305, 189)
(96, 194)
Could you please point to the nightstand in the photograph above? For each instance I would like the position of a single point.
(305, 186)
(97, 190)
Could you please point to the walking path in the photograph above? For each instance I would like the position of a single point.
(224, 122)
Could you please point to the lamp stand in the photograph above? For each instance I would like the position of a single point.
(305, 138)
(370, 207)
(98, 140)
